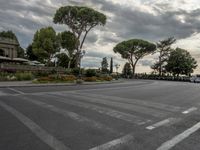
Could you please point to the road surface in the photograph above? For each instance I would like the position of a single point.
(132, 115)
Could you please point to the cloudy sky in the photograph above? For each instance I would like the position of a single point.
(152, 20)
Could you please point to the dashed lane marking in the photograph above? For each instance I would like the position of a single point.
(189, 110)
(36, 129)
(17, 91)
(177, 139)
(115, 143)
(162, 123)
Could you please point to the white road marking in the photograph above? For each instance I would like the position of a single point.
(36, 129)
(177, 139)
(19, 92)
(189, 110)
(104, 110)
(132, 107)
(73, 116)
(117, 142)
(133, 101)
(162, 123)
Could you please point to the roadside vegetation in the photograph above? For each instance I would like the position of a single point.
(65, 49)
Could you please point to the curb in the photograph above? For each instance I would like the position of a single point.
(63, 84)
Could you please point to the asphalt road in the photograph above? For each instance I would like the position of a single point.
(132, 115)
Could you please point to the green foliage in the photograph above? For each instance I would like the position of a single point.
(133, 50)
(20, 52)
(180, 62)
(9, 34)
(90, 73)
(104, 65)
(45, 44)
(62, 60)
(127, 72)
(80, 20)
(20, 76)
(29, 53)
(68, 43)
(164, 49)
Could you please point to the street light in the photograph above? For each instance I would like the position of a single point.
(117, 67)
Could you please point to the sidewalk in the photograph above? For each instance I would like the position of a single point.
(30, 84)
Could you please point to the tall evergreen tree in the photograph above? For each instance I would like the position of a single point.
(104, 65)
(111, 65)
(164, 49)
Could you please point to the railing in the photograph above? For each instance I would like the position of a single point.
(8, 41)
(13, 67)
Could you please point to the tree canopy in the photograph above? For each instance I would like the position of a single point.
(45, 44)
(80, 20)
(164, 49)
(180, 62)
(133, 50)
(68, 43)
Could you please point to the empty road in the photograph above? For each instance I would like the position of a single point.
(131, 115)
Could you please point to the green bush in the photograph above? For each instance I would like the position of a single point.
(90, 79)
(20, 76)
(90, 73)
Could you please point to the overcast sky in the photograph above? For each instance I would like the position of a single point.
(151, 20)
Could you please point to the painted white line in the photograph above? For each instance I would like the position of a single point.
(177, 139)
(162, 123)
(103, 110)
(189, 110)
(36, 129)
(115, 143)
(132, 107)
(73, 116)
(19, 92)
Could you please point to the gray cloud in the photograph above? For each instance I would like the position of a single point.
(24, 17)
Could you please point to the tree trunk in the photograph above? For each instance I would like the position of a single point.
(160, 65)
(69, 64)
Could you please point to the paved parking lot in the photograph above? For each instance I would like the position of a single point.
(132, 115)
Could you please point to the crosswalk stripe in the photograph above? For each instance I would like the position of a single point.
(103, 110)
(73, 116)
(36, 129)
(134, 101)
(140, 109)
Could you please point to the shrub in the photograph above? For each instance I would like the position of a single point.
(90, 73)
(90, 79)
(68, 78)
(20, 76)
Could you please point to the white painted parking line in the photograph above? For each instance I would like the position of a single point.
(36, 129)
(162, 123)
(177, 139)
(73, 116)
(113, 144)
(189, 110)
(17, 91)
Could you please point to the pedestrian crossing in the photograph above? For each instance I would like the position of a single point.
(141, 115)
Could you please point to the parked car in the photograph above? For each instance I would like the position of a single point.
(195, 79)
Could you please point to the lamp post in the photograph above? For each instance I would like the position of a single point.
(117, 67)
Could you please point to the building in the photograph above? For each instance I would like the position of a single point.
(8, 51)
(8, 48)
